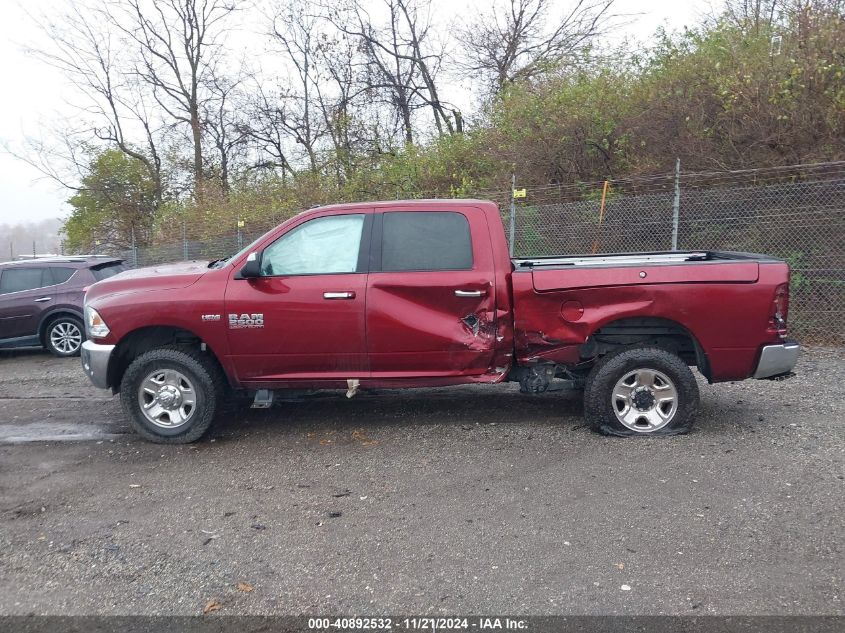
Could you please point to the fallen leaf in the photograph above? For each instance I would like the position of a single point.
(211, 605)
(363, 439)
(244, 586)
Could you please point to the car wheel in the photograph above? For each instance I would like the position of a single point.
(171, 394)
(63, 336)
(641, 391)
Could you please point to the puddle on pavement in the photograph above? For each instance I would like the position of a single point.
(52, 432)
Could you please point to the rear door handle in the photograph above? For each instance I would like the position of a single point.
(469, 293)
(339, 295)
(42, 299)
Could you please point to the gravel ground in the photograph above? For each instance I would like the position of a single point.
(453, 501)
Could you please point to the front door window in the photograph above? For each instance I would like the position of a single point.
(328, 245)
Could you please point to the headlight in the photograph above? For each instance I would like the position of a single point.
(94, 324)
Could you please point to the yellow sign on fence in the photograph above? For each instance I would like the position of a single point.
(241, 224)
(520, 193)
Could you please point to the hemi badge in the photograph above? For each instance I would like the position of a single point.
(210, 317)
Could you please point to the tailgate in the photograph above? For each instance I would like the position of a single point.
(565, 278)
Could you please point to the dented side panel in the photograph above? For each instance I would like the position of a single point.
(417, 326)
(443, 323)
(729, 320)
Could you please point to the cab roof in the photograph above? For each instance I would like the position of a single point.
(425, 202)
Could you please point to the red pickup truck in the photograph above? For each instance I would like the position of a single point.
(424, 293)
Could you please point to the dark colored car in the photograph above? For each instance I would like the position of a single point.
(41, 300)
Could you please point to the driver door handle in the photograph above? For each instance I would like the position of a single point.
(42, 299)
(348, 294)
(469, 293)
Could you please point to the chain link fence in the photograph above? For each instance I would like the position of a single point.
(796, 213)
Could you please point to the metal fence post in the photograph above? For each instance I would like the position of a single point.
(513, 214)
(597, 241)
(184, 241)
(676, 206)
(134, 250)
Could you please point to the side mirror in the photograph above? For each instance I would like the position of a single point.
(252, 268)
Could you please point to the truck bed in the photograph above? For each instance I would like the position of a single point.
(723, 299)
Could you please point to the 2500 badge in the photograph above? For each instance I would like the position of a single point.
(243, 321)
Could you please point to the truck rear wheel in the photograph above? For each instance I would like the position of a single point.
(171, 394)
(641, 391)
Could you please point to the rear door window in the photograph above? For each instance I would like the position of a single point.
(425, 240)
(20, 279)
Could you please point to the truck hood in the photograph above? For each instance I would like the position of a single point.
(163, 277)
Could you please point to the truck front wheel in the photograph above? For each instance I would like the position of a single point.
(171, 394)
(641, 391)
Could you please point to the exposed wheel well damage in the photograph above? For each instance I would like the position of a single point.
(147, 338)
(653, 331)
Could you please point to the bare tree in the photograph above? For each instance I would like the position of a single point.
(428, 62)
(266, 129)
(337, 93)
(752, 14)
(296, 29)
(225, 125)
(391, 72)
(115, 109)
(178, 44)
(402, 61)
(513, 42)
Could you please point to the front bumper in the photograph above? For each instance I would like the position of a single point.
(777, 360)
(95, 362)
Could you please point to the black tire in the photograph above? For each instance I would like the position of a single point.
(208, 386)
(600, 406)
(57, 336)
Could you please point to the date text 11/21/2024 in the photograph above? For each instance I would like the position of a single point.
(424, 623)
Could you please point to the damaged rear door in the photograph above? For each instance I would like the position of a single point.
(431, 294)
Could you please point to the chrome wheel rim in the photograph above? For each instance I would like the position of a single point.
(167, 398)
(644, 400)
(66, 337)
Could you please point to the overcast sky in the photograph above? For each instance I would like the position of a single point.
(33, 94)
